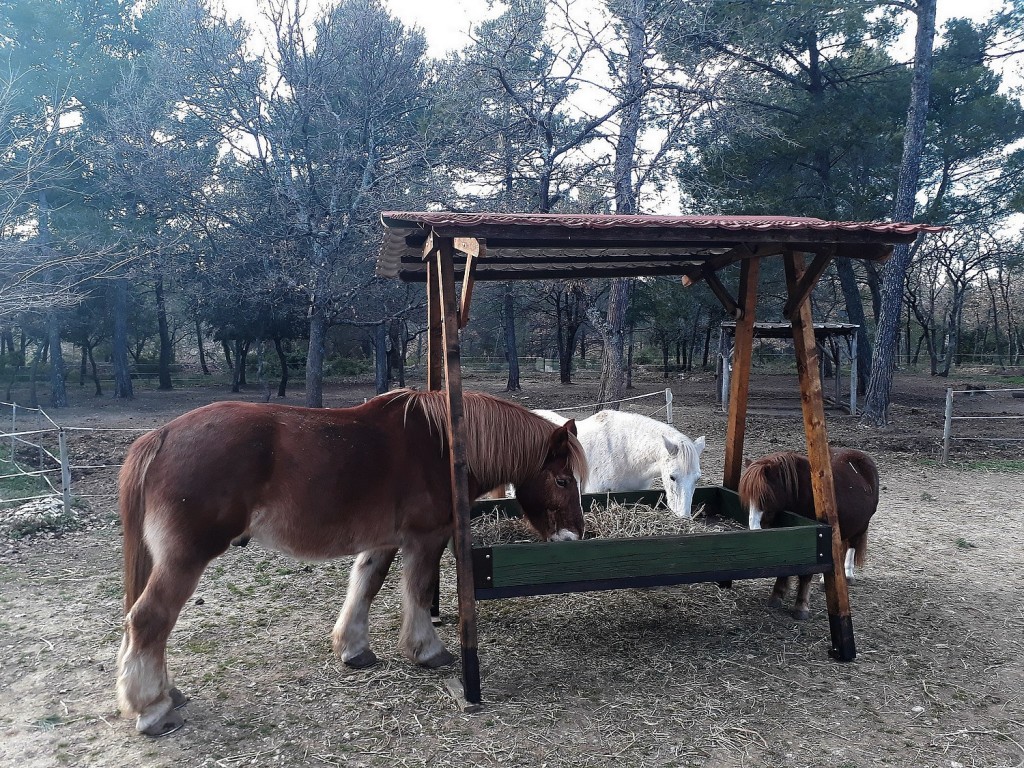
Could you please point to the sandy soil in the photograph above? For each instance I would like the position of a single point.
(683, 676)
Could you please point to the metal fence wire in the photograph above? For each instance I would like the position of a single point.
(35, 446)
(1001, 423)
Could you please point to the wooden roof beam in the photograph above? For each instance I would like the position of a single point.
(740, 252)
(474, 249)
(802, 288)
(723, 296)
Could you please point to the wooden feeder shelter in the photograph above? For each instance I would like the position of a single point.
(442, 249)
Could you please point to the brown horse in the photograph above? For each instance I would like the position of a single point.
(782, 481)
(317, 484)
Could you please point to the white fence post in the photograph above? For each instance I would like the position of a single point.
(668, 405)
(947, 428)
(65, 470)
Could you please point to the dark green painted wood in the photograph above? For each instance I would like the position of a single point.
(793, 547)
(597, 559)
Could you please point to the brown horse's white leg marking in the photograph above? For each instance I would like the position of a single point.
(144, 688)
(351, 635)
(850, 555)
(419, 640)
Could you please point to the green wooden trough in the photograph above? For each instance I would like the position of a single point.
(798, 546)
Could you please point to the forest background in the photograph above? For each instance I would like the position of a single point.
(179, 195)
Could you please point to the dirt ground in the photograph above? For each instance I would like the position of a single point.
(683, 676)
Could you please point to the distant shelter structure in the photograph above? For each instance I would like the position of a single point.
(827, 337)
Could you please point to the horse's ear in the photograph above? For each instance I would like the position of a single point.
(559, 442)
(699, 444)
(746, 461)
(670, 445)
(570, 425)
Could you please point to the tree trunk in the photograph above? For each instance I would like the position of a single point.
(382, 366)
(613, 379)
(95, 372)
(261, 379)
(883, 364)
(282, 386)
(164, 368)
(315, 359)
(202, 350)
(511, 353)
(613, 369)
(855, 314)
(242, 358)
(238, 371)
(119, 342)
(33, 392)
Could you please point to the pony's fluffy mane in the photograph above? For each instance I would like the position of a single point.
(754, 486)
(505, 442)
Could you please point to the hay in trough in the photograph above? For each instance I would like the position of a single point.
(610, 520)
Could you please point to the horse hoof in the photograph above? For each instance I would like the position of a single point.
(361, 660)
(801, 615)
(440, 659)
(775, 602)
(164, 726)
(178, 699)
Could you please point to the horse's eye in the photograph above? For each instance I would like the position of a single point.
(561, 482)
(672, 478)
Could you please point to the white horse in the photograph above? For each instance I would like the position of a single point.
(629, 452)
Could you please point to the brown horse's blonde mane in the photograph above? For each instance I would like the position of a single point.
(505, 442)
(754, 485)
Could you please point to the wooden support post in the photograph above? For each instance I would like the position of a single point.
(836, 593)
(853, 374)
(463, 540)
(435, 357)
(743, 351)
(435, 373)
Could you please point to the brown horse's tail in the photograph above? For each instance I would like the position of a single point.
(132, 503)
(860, 549)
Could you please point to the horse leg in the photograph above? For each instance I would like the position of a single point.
(421, 560)
(802, 608)
(856, 554)
(143, 685)
(778, 595)
(351, 635)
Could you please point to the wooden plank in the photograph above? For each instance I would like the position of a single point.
(740, 382)
(435, 342)
(489, 272)
(836, 591)
(722, 295)
(468, 245)
(506, 235)
(807, 282)
(462, 536)
(468, 280)
(593, 560)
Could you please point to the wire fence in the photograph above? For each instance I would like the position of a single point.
(35, 451)
(1003, 421)
(34, 456)
(660, 407)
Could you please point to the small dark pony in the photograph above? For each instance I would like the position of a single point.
(782, 481)
(317, 484)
